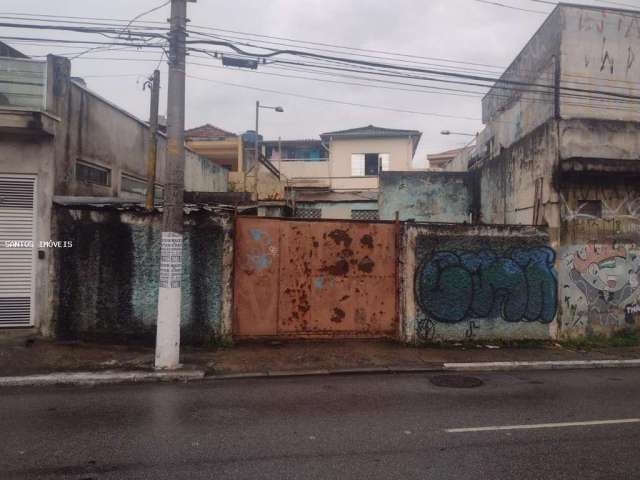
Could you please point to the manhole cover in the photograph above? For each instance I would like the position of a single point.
(456, 381)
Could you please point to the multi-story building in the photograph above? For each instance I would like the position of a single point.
(338, 175)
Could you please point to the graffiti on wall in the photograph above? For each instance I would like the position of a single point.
(626, 208)
(520, 286)
(603, 284)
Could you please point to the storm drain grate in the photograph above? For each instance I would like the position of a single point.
(455, 381)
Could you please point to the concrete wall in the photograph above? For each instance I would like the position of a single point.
(600, 46)
(463, 282)
(96, 131)
(520, 109)
(426, 196)
(260, 182)
(400, 151)
(507, 181)
(108, 282)
(202, 175)
(305, 173)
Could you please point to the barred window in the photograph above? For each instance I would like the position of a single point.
(364, 214)
(89, 173)
(133, 185)
(309, 212)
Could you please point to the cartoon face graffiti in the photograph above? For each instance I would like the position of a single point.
(605, 267)
(607, 276)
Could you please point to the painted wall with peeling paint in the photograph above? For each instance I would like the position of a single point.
(108, 282)
(426, 196)
(477, 282)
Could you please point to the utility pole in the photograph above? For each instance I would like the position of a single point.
(169, 297)
(153, 140)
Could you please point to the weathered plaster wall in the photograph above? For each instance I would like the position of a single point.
(426, 196)
(202, 175)
(599, 138)
(108, 281)
(519, 110)
(601, 47)
(519, 181)
(260, 182)
(463, 282)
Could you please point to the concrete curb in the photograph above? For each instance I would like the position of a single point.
(118, 377)
(100, 378)
(549, 365)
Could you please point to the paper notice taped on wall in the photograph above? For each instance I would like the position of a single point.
(171, 260)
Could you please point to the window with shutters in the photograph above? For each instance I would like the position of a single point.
(369, 164)
(385, 162)
(357, 165)
(90, 173)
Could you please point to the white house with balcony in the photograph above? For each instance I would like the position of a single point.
(338, 175)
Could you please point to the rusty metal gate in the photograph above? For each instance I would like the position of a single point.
(320, 278)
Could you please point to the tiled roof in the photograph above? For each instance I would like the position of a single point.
(372, 131)
(208, 130)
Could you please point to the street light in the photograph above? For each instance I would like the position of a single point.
(258, 107)
(449, 132)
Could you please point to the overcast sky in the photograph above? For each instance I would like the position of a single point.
(464, 30)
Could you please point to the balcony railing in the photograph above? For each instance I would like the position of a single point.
(23, 84)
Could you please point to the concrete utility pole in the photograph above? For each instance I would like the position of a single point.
(153, 140)
(169, 297)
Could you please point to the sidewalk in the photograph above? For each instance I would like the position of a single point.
(31, 357)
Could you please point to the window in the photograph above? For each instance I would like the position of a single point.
(385, 162)
(89, 173)
(357, 165)
(133, 185)
(159, 192)
(369, 164)
(364, 214)
(308, 212)
(590, 208)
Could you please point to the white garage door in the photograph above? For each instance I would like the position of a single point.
(17, 239)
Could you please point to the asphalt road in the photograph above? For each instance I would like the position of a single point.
(382, 426)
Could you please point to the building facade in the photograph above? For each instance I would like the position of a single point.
(338, 176)
(60, 141)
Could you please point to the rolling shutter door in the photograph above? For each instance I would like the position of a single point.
(17, 216)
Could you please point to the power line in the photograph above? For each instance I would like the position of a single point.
(69, 28)
(610, 2)
(440, 90)
(204, 27)
(340, 102)
(358, 49)
(495, 81)
(137, 17)
(82, 42)
(511, 7)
